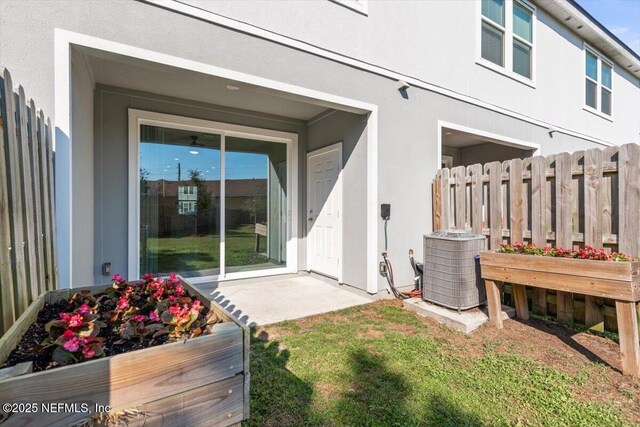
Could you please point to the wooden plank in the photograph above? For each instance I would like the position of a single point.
(629, 199)
(493, 303)
(605, 288)
(620, 271)
(516, 194)
(16, 370)
(538, 220)
(436, 188)
(593, 208)
(446, 203)
(628, 333)
(459, 189)
(52, 206)
(215, 404)
(34, 145)
(577, 158)
(475, 171)
(495, 204)
(27, 196)
(609, 194)
(564, 226)
(520, 298)
(7, 307)
(14, 334)
(46, 203)
(130, 377)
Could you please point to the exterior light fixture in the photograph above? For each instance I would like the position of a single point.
(194, 152)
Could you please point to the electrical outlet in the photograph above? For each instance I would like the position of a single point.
(383, 269)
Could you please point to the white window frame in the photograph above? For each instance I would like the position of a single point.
(142, 117)
(509, 36)
(360, 6)
(600, 59)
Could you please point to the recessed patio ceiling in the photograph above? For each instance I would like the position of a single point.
(131, 73)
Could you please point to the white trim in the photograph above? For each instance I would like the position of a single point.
(65, 39)
(333, 147)
(142, 117)
(343, 59)
(373, 278)
(504, 140)
(600, 58)
(63, 170)
(360, 6)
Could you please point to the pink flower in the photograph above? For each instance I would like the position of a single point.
(123, 303)
(154, 316)
(65, 317)
(72, 345)
(88, 353)
(138, 318)
(179, 290)
(172, 299)
(160, 280)
(175, 310)
(173, 278)
(196, 304)
(148, 276)
(83, 309)
(75, 321)
(118, 278)
(68, 334)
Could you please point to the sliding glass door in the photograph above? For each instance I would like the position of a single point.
(211, 204)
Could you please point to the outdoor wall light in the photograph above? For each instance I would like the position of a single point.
(195, 153)
(403, 86)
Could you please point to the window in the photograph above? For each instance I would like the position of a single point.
(598, 87)
(506, 36)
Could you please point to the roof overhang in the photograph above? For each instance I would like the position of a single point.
(579, 21)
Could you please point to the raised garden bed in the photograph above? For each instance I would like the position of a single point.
(202, 380)
(617, 280)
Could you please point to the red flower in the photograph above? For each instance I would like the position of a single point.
(88, 353)
(153, 315)
(123, 303)
(118, 278)
(138, 318)
(75, 321)
(83, 309)
(68, 334)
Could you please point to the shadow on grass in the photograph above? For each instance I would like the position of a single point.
(375, 396)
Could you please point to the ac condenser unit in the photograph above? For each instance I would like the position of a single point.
(452, 269)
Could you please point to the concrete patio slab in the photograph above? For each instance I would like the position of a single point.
(272, 300)
(466, 321)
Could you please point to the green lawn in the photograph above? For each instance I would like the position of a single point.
(192, 253)
(379, 365)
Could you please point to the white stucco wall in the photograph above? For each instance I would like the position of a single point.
(436, 41)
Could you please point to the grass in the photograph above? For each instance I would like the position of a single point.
(379, 365)
(193, 253)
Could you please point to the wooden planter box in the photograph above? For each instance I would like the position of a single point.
(619, 281)
(201, 381)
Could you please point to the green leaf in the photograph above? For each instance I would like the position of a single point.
(62, 356)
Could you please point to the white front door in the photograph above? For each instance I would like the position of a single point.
(324, 210)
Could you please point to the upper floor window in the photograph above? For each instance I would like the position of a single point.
(506, 38)
(598, 88)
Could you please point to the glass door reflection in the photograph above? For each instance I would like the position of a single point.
(179, 202)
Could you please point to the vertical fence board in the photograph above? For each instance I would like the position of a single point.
(516, 195)
(34, 146)
(495, 204)
(564, 226)
(51, 217)
(15, 198)
(476, 198)
(27, 197)
(436, 189)
(460, 193)
(593, 313)
(629, 199)
(446, 203)
(538, 220)
(7, 306)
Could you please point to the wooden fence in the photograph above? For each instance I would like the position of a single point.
(27, 230)
(570, 200)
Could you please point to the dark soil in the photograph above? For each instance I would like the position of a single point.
(29, 349)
